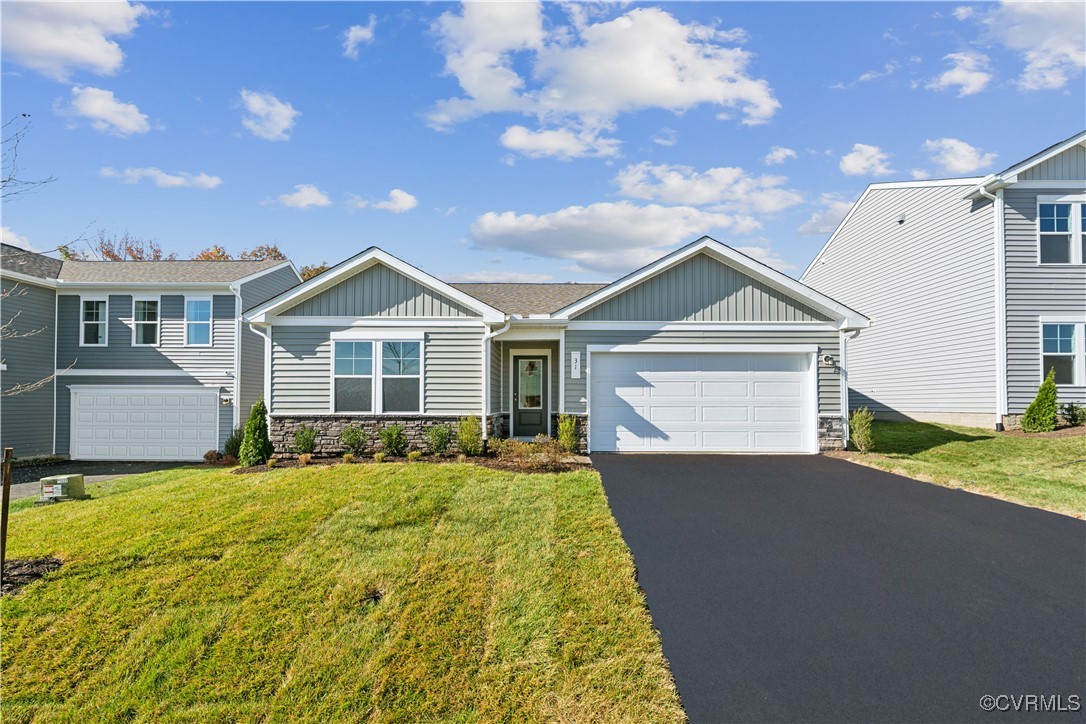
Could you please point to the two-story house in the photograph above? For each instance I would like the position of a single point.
(976, 288)
(129, 360)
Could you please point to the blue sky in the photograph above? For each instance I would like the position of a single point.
(517, 141)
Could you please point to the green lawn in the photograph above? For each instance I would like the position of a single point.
(1037, 471)
(199, 595)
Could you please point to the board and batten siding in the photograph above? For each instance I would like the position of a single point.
(26, 419)
(378, 291)
(301, 372)
(1067, 166)
(702, 289)
(251, 351)
(497, 363)
(1033, 291)
(828, 341)
(928, 285)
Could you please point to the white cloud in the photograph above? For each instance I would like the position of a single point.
(163, 180)
(834, 208)
(1049, 37)
(269, 118)
(561, 143)
(356, 35)
(919, 174)
(499, 276)
(305, 196)
(778, 155)
(727, 188)
(611, 237)
(964, 12)
(887, 69)
(666, 137)
(763, 252)
(57, 38)
(398, 202)
(103, 112)
(865, 160)
(11, 238)
(957, 156)
(970, 72)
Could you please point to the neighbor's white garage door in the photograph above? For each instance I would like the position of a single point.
(668, 402)
(144, 423)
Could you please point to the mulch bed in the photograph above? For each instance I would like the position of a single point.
(1066, 431)
(486, 461)
(19, 572)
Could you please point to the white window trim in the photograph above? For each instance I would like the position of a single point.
(210, 322)
(1076, 231)
(93, 298)
(1079, 348)
(158, 323)
(376, 391)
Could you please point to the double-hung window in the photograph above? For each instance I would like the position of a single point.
(1062, 351)
(1061, 230)
(198, 321)
(145, 322)
(377, 376)
(95, 322)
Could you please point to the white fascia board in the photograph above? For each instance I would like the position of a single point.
(368, 258)
(422, 322)
(703, 326)
(64, 287)
(1009, 177)
(28, 279)
(650, 348)
(89, 372)
(1076, 140)
(527, 335)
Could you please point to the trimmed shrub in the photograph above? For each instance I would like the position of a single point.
(568, 438)
(348, 458)
(212, 457)
(438, 438)
(305, 440)
(354, 439)
(547, 450)
(469, 436)
(229, 461)
(1074, 414)
(414, 455)
(461, 458)
(255, 446)
(272, 462)
(394, 440)
(1041, 414)
(232, 446)
(378, 457)
(509, 449)
(304, 459)
(859, 429)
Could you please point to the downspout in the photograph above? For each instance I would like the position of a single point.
(1000, 301)
(486, 371)
(844, 382)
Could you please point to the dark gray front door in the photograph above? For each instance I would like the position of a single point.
(530, 402)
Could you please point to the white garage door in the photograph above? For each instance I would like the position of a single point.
(144, 423)
(713, 402)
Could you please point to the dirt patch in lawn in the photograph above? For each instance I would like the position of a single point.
(494, 463)
(20, 572)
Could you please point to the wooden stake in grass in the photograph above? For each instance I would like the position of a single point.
(4, 512)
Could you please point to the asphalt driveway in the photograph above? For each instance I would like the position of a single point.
(802, 588)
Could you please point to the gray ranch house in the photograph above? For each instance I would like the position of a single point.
(977, 287)
(703, 350)
(129, 360)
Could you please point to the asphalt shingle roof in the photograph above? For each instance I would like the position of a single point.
(210, 272)
(525, 299)
(14, 259)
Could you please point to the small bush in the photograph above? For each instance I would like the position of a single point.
(1074, 414)
(469, 436)
(304, 459)
(568, 438)
(509, 448)
(213, 457)
(305, 440)
(414, 455)
(394, 440)
(255, 446)
(271, 463)
(354, 439)
(1041, 414)
(229, 461)
(461, 458)
(547, 450)
(859, 429)
(348, 458)
(232, 446)
(378, 457)
(438, 438)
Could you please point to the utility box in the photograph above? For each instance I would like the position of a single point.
(56, 488)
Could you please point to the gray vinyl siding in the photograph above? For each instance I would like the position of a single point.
(379, 291)
(64, 402)
(26, 420)
(301, 372)
(928, 286)
(702, 289)
(497, 364)
(507, 371)
(1033, 291)
(251, 352)
(212, 365)
(828, 341)
(1067, 166)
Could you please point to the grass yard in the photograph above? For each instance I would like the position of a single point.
(1038, 471)
(381, 592)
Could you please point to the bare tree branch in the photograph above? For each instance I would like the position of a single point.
(11, 185)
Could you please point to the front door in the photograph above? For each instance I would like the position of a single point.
(530, 402)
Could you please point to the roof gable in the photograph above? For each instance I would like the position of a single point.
(526, 299)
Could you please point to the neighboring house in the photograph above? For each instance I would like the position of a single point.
(702, 350)
(977, 288)
(141, 360)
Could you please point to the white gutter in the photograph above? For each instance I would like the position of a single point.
(486, 371)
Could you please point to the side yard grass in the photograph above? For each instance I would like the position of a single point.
(1042, 471)
(379, 592)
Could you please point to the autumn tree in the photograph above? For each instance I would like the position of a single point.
(311, 270)
(110, 247)
(262, 252)
(213, 253)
